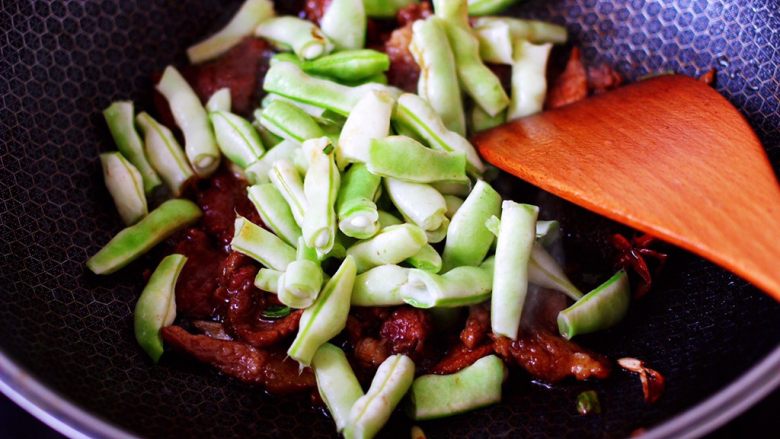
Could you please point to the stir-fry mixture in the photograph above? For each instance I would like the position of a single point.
(330, 229)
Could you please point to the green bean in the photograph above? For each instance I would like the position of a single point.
(438, 82)
(460, 286)
(370, 119)
(316, 112)
(369, 413)
(288, 182)
(468, 240)
(291, 33)
(385, 8)
(391, 245)
(268, 138)
(336, 383)
(387, 219)
(379, 78)
(349, 65)
(220, 100)
(476, 386)
(164, 153)
(458, 188)
(355, 207)
(453, 204)
(419, 203)
(300, 284)
(495, 41)
(600, 309)
(529, 80)
(344, 22)
(125, 185)
(427, 259)
(236, 138)
(289, 122)
(537, 32)
(119, 118)
(156, 308)
(258, 172)
(391, 156)
(286, 57)
(139, 238)
(199, 144)
(288, 80)
(481, 121)
(327, 317)
(488, 7)
(249, 15)
(438, 234)
(261, 245)
(417, 116)
(545, 272)
(320, 188)
(588, 403)
(510, 281)
(475, 77)
(380, 286)
(268, 280)
(547, 232)
(275, 212)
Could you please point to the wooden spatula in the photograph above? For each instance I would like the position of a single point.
(668, 156)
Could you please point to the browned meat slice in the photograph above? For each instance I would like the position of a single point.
(602, 78)
(212, 329)
(221, 198)
(406, 331)
(477, 326)
(199, 278)
(264, 333)
(242, 361)
(404, 71)
(571, 85)
(371, 352)
(550, 358)
(460, 357)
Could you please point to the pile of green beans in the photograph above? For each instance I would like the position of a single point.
(368, 196)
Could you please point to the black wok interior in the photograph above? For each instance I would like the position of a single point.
(62, 62)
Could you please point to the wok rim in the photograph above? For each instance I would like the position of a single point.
(73, 421)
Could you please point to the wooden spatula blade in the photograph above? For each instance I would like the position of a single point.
(668, 156)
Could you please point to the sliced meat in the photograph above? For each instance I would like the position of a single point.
(199, 279)
(212, 329)
(404, 71)
(406, 331)
(264, 333)
(571, 85)
(221, 197)
(602, 78)
(241, 361)
(550, 358)
(477, 326)
(371, 352)
(460, 357)
(413, 12)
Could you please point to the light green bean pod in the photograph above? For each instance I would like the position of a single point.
(336, 383)
(156, 308)
(419, 203)
(460, 286)
(249, 15)
(385, 8)
(477, 80)
(313, 111)
(199, 144)
(349, 65)
(355, 207)
(139, 238)
(404, 158)
(288, 182)
(481, 121)
(458, 188)
(370, 413)
(418, 117)
(258, 172)
(438, 83)
(292, 33)
(391, 245)
(529, 80)
(468, 240)
(547, 232)
(495, 41)
(537, 32)
(220, 100)
(300, 284)
(545, 272)
(438, 234)
(268, 280)
(289, 122)
(453, 204)
(261, 245)
(488, 7)
(164, 153)
(476, 386)
(125, 185)
(600, 309)
(510, 281)
(344, 22)
(236, 138)
(427, 259)
(119, 118)
(275, 212)
(327, 317)
(380, 286)
(320, 188)
(388, 219)
(369, 120)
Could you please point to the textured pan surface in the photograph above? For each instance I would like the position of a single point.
(62, 62)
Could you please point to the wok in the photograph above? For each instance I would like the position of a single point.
(66, 338)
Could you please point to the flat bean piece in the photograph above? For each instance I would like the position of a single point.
(249, 15)
(419, 203)
(349, 65)
(380, 286)
(289, 122)
(164, 153)
(390, 246)
(460, 286)
(529, 83)
(320, 188)
(392, 156)
(344, 22)
(355, 207)
(468, 240)
(220, 100)
(236, 138)
(336, 383)
(119, 118)
(258, 171)
(385, 8)
(488, 7)
(125, 185)
(600, 309)
(369, 120)
(268, 280)
(427, 259)
(292, 33)
(275, 212)
(288, 182)
(261, 245)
